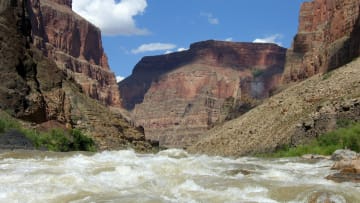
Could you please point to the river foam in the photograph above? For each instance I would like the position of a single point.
(169, 176)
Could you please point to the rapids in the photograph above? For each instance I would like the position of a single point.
(168, 176)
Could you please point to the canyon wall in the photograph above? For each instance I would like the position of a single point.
(328, 37)
(75, 45)
(175, 97)
(35, 90)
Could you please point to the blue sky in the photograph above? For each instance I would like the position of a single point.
(133, 29)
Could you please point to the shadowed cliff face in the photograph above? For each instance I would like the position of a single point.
(75, 45)
(33, 88)
(177, 96)
(328, 37)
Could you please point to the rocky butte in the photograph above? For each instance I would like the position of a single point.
(176, 97)
(328, 38)
(51, 61)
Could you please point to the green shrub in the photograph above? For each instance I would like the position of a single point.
(257, 72)
(7, 123)
(344, 123)
(327, 75)
(60, 140)
(326, 144)
(54, 140)
(81, 142)
(2, 126)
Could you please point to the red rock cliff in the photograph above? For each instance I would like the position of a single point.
(75, 45)
(177, 96)
(328, 37)
(33, 88)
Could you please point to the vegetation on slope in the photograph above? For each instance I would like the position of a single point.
(53, 140)
(346, 137)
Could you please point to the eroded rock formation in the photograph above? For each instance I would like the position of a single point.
(328, 37)
(293, 117)
(34, 89)
(75, 45)
(177, 96)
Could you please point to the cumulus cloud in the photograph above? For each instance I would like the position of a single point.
(230, 39)
(270, 39)
(153, 47)
(119, 78)
(211, 19)
(112, 17)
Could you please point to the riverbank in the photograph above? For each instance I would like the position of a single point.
(14, 135)
(346, 137)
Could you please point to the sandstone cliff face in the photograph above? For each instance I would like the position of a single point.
(328, 37)
(292, 117)
(34, 89)
(177, 96)
(75, 45)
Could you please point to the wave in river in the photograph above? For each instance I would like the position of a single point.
(168, 176)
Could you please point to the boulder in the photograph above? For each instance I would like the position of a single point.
(343, 154)
(348, 165)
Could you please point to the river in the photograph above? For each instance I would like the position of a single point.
(168, 176)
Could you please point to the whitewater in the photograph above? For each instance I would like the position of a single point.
(168, 176)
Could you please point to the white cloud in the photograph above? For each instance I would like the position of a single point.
(230, 39)
(119, 78)
(112, 17)
(177, 50)
(153, 47)
(270, 39)
(182, 49)
(211, 19)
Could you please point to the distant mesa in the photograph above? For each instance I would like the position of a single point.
(177, 96)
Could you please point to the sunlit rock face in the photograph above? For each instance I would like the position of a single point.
(177, 96)
(328, 37)
(75, 45)
(37, 81)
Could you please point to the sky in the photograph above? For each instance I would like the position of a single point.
(132, 29)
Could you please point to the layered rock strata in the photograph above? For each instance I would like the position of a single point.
(293, 117)
(75, 45)
(328, 37)
(175, 97)
(34, 89)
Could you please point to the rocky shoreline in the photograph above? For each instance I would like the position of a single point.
(15, 140)
(347, 164)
